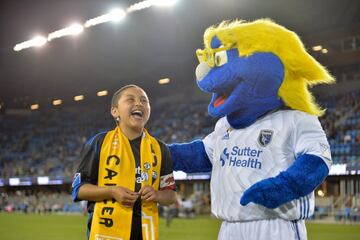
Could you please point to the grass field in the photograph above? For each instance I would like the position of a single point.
(60, 227)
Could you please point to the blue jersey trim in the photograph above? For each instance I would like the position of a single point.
(301, 208)
(297, 234)
(91, 140)
(308, 207)
(76, 186)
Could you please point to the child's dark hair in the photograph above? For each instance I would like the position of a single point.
(115, 98)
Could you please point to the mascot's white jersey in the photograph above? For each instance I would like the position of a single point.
(242, 157)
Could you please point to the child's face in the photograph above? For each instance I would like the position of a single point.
(133, 108)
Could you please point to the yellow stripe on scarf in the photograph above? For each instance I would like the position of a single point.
(112, 220)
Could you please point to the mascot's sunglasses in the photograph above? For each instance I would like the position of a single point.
(209, 55)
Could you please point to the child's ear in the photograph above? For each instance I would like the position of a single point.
(114, 112)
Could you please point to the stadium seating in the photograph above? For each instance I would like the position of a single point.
(48, 142)
(342, 125)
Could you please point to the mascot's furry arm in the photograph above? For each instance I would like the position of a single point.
(190, 157)
(300, 179)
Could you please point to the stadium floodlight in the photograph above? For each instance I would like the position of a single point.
(320, 193)
(57, 102)
(324, 50)
(317, 48)
(35, 42)
(79, 98)
(34, 106)
(164, 2)
(164, 81)
(102, 93)
(114, 16)
(74, 29)
(149, 3)
(139, 6)
(117, 14)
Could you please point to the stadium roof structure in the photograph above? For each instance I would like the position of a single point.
(146, 46)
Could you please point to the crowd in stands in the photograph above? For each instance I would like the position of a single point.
(342, 126)
(181, 122)
(41, 202)
(53, 201)
(45, 143)
(49, 142)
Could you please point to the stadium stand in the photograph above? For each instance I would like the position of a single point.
(342, 126)
(48, 142)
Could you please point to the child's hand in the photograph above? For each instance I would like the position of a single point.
(148, 194)
(124, 196)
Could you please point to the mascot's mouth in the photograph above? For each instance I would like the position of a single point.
(220, 100)
(222, 97)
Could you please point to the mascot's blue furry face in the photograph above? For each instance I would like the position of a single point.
(243, 88)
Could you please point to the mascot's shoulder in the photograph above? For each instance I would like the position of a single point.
(296, 114)
(293, 116)
(222, 124)
(288, 115)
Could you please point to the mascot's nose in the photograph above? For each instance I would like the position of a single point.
(202, 70)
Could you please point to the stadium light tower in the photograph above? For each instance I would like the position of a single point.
(34, 106)
(164, 2)
(114, 16)
(35, 42)
(102, 93)
(149, 3)
(57, 102)
(79, 98)
(164, 81)
(117, 14)
(74, 29)
(317, 48)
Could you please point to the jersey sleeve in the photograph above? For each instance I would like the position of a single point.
(87, 171)
(210, 140)
(167, 181)
(310, 138)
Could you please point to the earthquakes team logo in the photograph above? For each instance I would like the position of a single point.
(265, 137)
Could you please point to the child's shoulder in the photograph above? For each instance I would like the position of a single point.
(98, 137)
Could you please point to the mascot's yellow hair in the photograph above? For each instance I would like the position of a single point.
(264, 35)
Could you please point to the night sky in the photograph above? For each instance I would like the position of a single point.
(146, 46)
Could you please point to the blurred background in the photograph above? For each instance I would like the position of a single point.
(61, 61)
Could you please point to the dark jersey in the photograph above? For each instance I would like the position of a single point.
(87, 172)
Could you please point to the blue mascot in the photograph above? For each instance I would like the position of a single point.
(268, 151)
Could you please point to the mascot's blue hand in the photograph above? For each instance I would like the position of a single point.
(300, 179)
(254, 194)
(190, 157)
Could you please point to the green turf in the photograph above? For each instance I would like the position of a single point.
(200, 228)
(333, 231)
(59, 227)
(49, 227)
